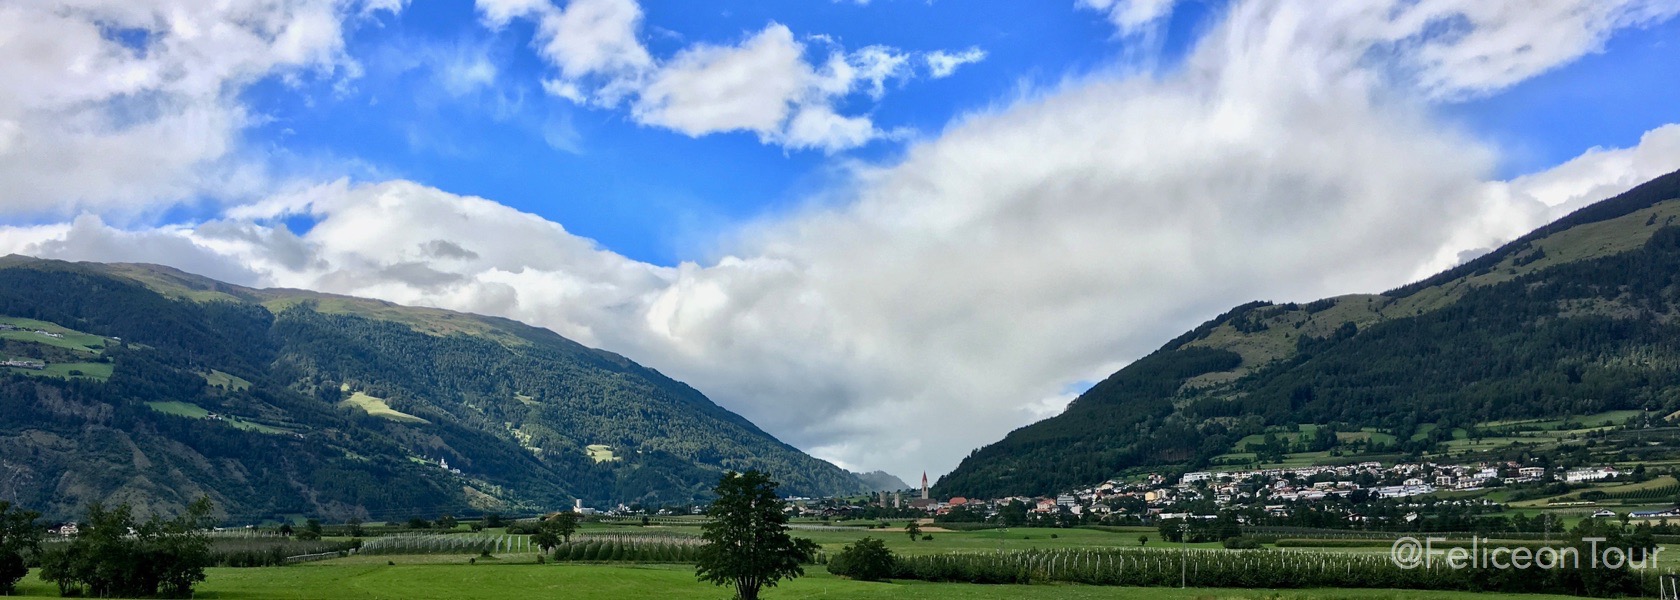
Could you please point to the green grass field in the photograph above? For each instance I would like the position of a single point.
(378, 408)
(70, 340)
(88, 345)
(1585, 422)
(841, 533)
(600, 453)
(223, 380)
(450, 577)
(98, 371)
(194, 411)
(179, 409)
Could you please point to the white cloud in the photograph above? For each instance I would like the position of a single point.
(877, 65)
(467, 74)
(936, 302)
(764, 84)
(1467, 47)
(1130, 16)
(1603, 172)
(820, 127)
(1506, 210)
(750, 87)
(1447, 49)
(498, 13)
(942, 64)
(92, 120)
(596, 36)
(593, 43)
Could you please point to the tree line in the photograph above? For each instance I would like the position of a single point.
(113, 554)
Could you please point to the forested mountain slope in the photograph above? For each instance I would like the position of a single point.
(1576, 318)
(145, 384)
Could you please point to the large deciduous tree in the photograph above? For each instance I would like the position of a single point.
(747, 541)
(555, 530)
(19, 536)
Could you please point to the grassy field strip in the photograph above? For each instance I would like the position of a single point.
(493, 579)
(70, 340)
(378, 408)
(194, 411)
(99, 371)
(223, 380)
(601, 453)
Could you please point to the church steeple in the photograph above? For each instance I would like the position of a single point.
(924, 485)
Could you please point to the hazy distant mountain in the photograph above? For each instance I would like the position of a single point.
(158, 386)
(882, 481)
(1579, 317)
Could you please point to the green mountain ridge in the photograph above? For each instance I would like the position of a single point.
(1581, 316)
(882, 481)
(287, 402)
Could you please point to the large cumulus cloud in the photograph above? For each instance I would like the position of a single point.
(131, 105)
(933, 303)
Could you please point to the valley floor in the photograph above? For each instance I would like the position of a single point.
(449, 577)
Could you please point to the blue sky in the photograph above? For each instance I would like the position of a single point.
(661, 196)
(1606, 99)
(650, 193)
(720, 190)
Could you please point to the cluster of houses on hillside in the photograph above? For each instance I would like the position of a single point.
(22, 363)
(43, 332)
(1149, 496)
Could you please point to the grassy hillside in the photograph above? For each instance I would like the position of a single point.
(278, 402)
(1573, 320)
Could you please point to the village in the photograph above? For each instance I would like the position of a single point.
(1156, 497)
(20, 363)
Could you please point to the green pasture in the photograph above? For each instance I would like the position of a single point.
(450, 577)
(223, 380)
(99, 371)
(71, 340)
(600, 453)
(194, 411)
(1592, 421)
(986, 540)
(378, 408)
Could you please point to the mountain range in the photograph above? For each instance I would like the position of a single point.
(1580, 317)
(148, 385)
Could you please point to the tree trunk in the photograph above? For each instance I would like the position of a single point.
(745, 590)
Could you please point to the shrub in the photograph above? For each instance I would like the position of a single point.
(867, 559)
(1241, 543)
(522, 528)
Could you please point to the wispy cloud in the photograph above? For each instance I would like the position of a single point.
(942, 64)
